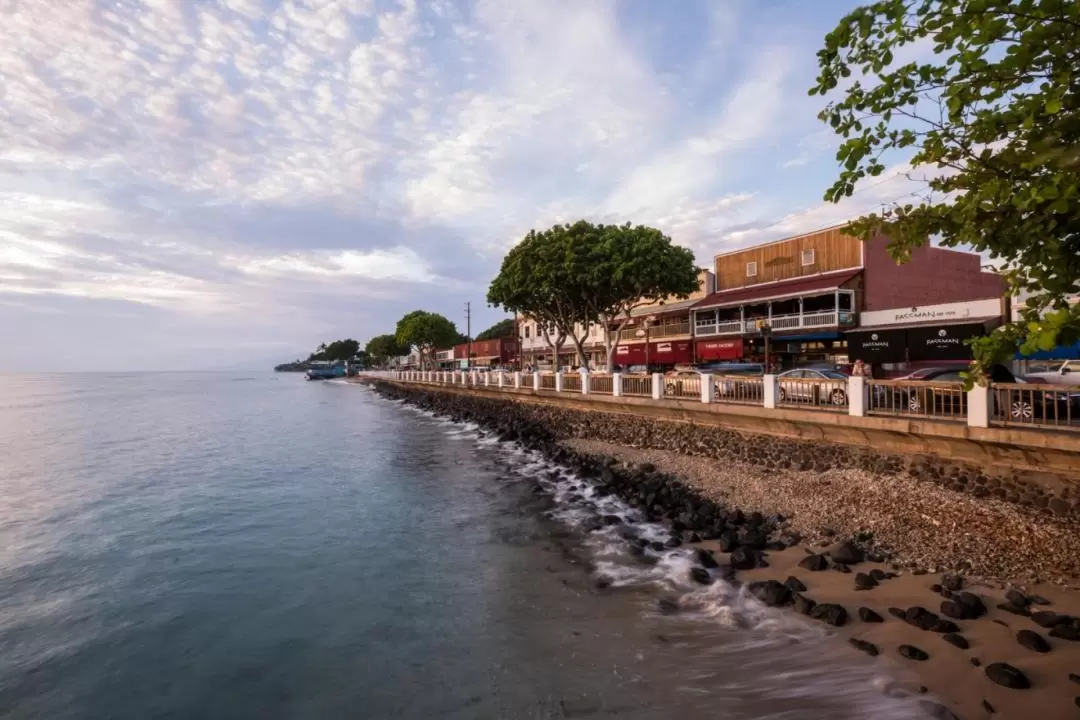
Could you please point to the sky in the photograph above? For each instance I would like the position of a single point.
(190, 184)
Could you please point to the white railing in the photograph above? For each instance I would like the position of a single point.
(811, 320)
(1035, 406)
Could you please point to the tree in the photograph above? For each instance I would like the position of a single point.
(426, 331)
(502, 329)
(337, 351)
(995, 116)
(383, 347)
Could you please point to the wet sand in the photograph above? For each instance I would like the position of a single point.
(923, 526)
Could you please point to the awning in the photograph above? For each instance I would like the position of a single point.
(777, 290)
(808, 337)
(877, 346)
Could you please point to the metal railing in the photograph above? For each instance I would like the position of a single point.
(815, 393)
(810, 320)
(682, 387)
(571, 382)
(637, 385)
(739, 389)
(1036, 405)
(547, 381)
(918, 398)
(601, 384)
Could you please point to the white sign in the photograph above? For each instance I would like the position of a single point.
(990, 307)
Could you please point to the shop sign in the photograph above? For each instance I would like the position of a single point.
(990, 307)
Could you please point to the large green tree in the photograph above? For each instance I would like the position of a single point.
(502, 329)
(383, 347)
(994, 118)
(427, 332)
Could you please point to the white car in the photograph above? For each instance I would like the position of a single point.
(816, 387)
(1067, 374)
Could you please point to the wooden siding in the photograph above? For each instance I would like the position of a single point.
(705, 287)
(833, 250)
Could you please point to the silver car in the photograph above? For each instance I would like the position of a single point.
(816, 387)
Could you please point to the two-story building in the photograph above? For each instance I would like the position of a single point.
(826, 296)
(487, 353)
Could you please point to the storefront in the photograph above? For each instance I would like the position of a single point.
(878, 346)
(670, 353)
(712, 350)
(922, 344)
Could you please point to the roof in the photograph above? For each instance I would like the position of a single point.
(929, 323)
(777, 290)
(665, 308)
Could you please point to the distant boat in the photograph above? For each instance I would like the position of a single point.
(325, 373)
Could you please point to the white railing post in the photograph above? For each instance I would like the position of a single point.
(536, 380)
(558, 381)
(770, 388)
(487, 379)
(584, 382)
(980, 406)
(857, 396)
(657, 386)
(517, 380)
(616, 385)
(708, 390)
(501, 380)
(475, 378)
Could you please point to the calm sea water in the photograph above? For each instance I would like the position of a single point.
(254, 546)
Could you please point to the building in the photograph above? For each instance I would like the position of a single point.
(660, 334)
(537, 350)
(486, 353)
(444, 359)
(824, 296)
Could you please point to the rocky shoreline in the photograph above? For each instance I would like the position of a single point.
(835, 580)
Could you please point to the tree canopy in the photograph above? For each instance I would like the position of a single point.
(426, 331)
(383, 347)
(994, 117)
(571, 275)
(336, 351)
(502, 329)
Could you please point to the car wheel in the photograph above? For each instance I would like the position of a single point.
(914, 404)
(1022, 410)
(838, 397)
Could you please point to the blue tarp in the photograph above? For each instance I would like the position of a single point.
(1061, 352)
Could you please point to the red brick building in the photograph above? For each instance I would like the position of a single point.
(501, 351)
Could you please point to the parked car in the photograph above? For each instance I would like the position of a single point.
(813, 386)
(731, 383)
(1067, 374)
(682, 382)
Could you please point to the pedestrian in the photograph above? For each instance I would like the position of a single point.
(859, 369)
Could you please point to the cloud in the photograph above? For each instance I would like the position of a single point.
(252, 174)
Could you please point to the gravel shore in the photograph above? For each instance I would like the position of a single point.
(921, 524)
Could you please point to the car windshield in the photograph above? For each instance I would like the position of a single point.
(833, 374)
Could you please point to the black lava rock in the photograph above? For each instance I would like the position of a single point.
(1048, 619)
(958, 640)
(771, 592)
(831, 613)
(867, 647)
(913, 653)
(868, 615)
(700, 575)
(804, 605)
(1065, 632)
(898, 613)
(754, 539)
(847, 553)
(935, 588)
(955, 583)
(921, 618)
(879, 575)
(814, 563)
(1075, 678)
(1033, 641)
(945, 626)
(1017, 598)
(727, 541)
(706, 558)
(794, 584)
(744, 559)
(976, 662)
(612, 520)
(936, 711)
(988, 707)
(963, 606)
(1009, 607)
(1006, 675)
(865, 582)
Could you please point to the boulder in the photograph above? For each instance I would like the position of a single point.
(1048, 619)
(1074, 678)
(1066, 632)
(700, 575)
(771, 592)
(744, 559)
(1014, 609)
(814, 563)
(840, 568)
(879, 575)
(913, 653)
(1017, 598)
(867, 647)
(612, 520)
(706, 558)
(727, 541)
(1006, 675)
(945, 626)
(794, 584)
(804, 605)
(958, 640)
(1033, 641)
(921, 618)
(864, 581)
(830, 613)
(846, 553)
(898, 613)
(754, 539)
(954, 583)
(973, 603)
(868, 615)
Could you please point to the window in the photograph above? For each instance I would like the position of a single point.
(527, 328)
(808, 257)
(751, 269)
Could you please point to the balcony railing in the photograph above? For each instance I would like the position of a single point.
(804, 321)
(656, 332)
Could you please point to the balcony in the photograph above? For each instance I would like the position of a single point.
(656, 332)
(800, 321)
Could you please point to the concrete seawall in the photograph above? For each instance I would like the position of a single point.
(1032, 468)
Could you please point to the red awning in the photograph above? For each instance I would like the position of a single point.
(776, 291)
(719, 349)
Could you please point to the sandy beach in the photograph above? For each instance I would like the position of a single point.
(994, 546)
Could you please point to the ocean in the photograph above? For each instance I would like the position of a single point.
(250, 545)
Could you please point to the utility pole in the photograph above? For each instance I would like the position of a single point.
(468, 334)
